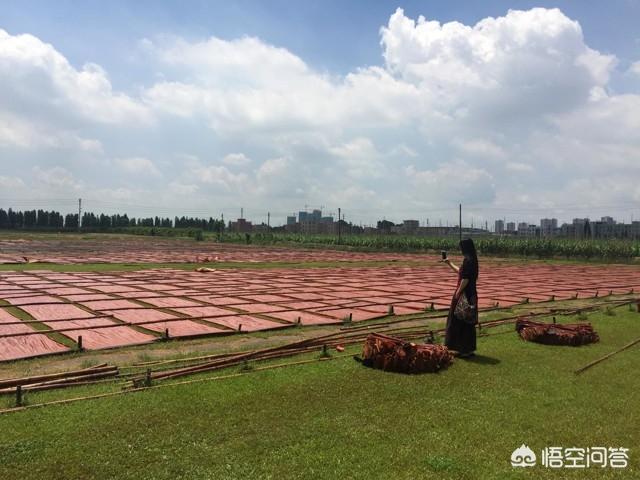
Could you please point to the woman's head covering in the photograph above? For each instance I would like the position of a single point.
(468, 249)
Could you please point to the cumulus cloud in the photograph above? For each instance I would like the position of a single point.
(21, 133)
(38, 78)
(359, 158)
(220, 176)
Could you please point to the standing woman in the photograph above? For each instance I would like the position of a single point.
(463, 314)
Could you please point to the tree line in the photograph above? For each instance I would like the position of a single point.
(52, 220)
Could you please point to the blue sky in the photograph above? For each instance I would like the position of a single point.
(166, 116)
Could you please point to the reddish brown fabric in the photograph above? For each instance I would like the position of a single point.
(395, 355)
(573, 334)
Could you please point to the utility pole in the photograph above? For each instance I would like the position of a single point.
(79, 213)
(339, 211)
(460, 206)
(269, 219)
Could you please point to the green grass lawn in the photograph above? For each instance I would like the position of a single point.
(338, 419)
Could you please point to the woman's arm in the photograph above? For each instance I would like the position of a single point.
(451, 265)
(463, 284)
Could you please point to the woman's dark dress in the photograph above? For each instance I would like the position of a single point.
(461, 335)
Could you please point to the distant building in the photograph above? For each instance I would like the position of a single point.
(581, 228)
(409, 227)
(527, 230)
(314, 216)
(240, 226)
(499, 227)
(511, 227)
(548, 227)
(309, 227)
(291, 220)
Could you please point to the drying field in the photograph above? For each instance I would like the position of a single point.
(93, 249)
(44, 312)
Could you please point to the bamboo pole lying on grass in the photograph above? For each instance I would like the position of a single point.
(608, 355)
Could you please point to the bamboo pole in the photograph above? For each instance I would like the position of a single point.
(608, 355)
(13, 382)
(54, 384)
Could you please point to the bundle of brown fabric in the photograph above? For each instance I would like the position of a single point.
(396, 355)
(573, 334)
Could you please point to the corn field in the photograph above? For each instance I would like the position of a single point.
(526, 247)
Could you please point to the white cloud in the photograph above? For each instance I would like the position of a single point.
(527, 62)
(635, 68)
(137, 166)
(236, 159)
(57, 178)
(481, 148)
(452, 182)
(183, 189)
(359, 158)
(37, 78)
(519, 167)
(272, 168)
(221, 177)
(11, 183)
(18, 132)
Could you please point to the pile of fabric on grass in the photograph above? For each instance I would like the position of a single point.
(573, 334)
(395, 355)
